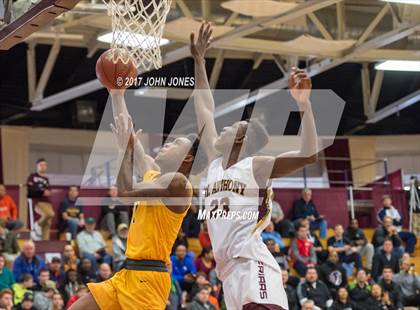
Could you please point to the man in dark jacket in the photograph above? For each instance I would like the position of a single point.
(314, 289)
(385, 258)
(201, 300)
(358, 239)
(72, 214)
(304, 208)
(332, 273)
(393, 289)
(360, 290)
(388, 230)
(290, 291)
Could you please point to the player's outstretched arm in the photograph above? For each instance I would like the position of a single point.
(203, 97)
(300, 88)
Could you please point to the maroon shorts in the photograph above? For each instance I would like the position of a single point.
(254, 306)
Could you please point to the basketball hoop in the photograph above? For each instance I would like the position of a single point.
(137, 27)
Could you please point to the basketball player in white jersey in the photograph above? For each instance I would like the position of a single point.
(251, 277)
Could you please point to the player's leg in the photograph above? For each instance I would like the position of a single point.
(85, 302)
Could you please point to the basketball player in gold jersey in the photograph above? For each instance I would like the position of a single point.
(165, 196)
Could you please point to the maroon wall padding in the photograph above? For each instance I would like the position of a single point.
(394, 178)
(330, 202)
(340, 148)
(57, 195)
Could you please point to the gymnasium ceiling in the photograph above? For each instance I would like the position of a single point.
(349, 37)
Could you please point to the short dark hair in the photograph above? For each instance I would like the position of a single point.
(26, 277)
(200, 161)
(387, 267)
(43, 270)
(388, 239)
(40, 160)
(203, 287)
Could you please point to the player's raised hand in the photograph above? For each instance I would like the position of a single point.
(123, 131)
(300, 86)
(200, 46)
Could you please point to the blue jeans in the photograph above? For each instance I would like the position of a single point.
(72, 225)
(410, 240)
(321, 225)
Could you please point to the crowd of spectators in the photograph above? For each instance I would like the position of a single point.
(345, 271)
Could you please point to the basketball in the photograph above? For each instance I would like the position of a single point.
(115, 74)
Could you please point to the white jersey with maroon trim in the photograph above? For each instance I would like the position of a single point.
(238, 233)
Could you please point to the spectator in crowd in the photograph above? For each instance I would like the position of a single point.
(6, 298)
(200, 280)
(56, 271)
(360, 290)
(385, 257)
(191, 225)
(8, 210)
(308, 305)
(409, 283)
(281, 225)
(43, 298)
(181, 238)
(379, 300)
(389, 210)
(70, 260)
(204, 237)
(358, 239)
(86, 271)
(104, 272)
(332, 273)
(24, 286)
(28, 262)
(114, 212)
(387, 230)
(290, 291)
(38, 190)
(71, 284)
(119, 245)
(57, 302)
(27, 302)
(205, 262)
(8, 244)
(314, 289)
(72, 214)
(302, 251)
(81, 291)
(201, 300)
(92, 244)
(304, 208)
(183, 268)
(43, 278)
(280, 257)
(175, 294)
(270, 233)
(392, 288)
(347, 253)
(343, 302)
(321, 253)
(6, 276)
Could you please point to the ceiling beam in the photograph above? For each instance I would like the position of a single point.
(279, 63)
(373, 25)
(217, 69)
(316, 69)
(258, 59)
(395, 107)
(320, 26)
(184, 9)
(365, 77)
(376, 91)
(46, 71)
(31, 70)
(341, 20)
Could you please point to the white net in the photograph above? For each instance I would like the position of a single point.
(137, 27)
